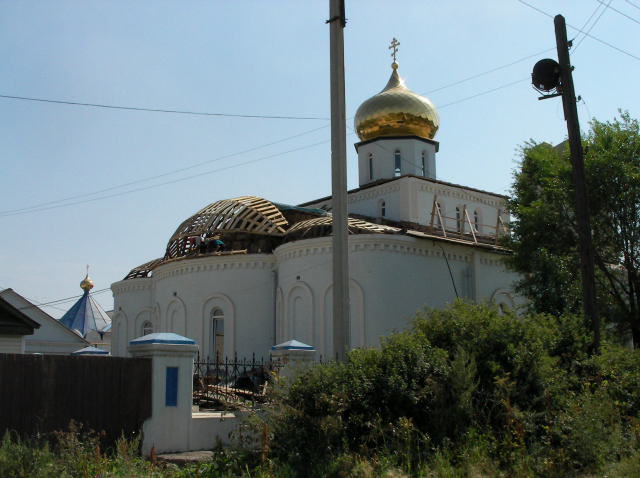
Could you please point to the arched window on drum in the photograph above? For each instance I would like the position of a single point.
(147, 328)
(217, 334)
(382, 208)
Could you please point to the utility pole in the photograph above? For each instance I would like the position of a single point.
(341, 320)
(579, 182)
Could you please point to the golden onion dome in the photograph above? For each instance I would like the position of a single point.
(396, 111)
(86, 284)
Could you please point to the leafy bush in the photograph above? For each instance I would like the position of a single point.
(467, 386)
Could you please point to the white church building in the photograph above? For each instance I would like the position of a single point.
(414, 241)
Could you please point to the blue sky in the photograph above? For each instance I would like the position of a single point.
(107, 187)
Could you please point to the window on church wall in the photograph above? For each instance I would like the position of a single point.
(476, 221)
(370, 166)
(217, 334)
(397, 161)
(383, 208)
(147, 328)
(458, 220)
(424, 165)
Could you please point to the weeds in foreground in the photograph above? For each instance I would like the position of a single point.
(73, 453)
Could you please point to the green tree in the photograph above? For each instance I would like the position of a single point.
(544, 238)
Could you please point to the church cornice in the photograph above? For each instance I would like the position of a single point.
(374, 193)
(131, 285)
(376, 243)
(214, 263)
(461, 194)
(393, 138)
(427, 182)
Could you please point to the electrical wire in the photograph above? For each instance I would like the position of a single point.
(153, 186)
(624, 52)
(587, 22)
(493, 70)
(75, 199)
(593, 24)
(83, 199)
(482, 93)
(619, 12)
(155, 110)
(60, 301)
(632, 4)
(151, 178)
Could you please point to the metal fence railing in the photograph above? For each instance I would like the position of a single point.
(231, 384)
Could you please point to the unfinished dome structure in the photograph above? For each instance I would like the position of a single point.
(249, 225)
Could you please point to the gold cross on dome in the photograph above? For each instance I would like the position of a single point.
(394, 45)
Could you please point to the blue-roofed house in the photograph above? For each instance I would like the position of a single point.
(88, 319)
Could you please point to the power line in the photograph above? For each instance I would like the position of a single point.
(153, 186)
(60, 301)
(138, 181)
(632, 4)
(618, 11)
(76, 198)
(485, 92)
(493, 70)
(594, 23)
(585, 33)
(155, 110)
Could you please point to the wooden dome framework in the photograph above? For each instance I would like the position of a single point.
(144, 270)
(321, 226)
(245, 214)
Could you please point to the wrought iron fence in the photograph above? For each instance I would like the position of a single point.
(225, 384)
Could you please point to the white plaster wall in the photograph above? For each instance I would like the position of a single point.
(399, 275)
(304, 271)
(411, 199)
(391, 277)
(132, 302)
(182, 294)
(383, 151)
(450, 196)
(367, 201)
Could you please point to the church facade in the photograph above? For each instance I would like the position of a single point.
(414, 241)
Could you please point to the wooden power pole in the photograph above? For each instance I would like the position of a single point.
(579, 182)
(341, 320)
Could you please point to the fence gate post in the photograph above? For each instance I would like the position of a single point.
(171, 356)
(293, 355)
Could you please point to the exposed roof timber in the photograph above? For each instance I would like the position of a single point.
(355, 226)
(144, 270)
(249, 214)
(245, 213)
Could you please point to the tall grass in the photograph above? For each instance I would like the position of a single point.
(73, 453)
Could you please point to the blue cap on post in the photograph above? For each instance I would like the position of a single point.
(162, 338)
(292, 345)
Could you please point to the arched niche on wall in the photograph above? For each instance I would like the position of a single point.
(119, 336)
(356, 317)
(299, 314)
(177, 317)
